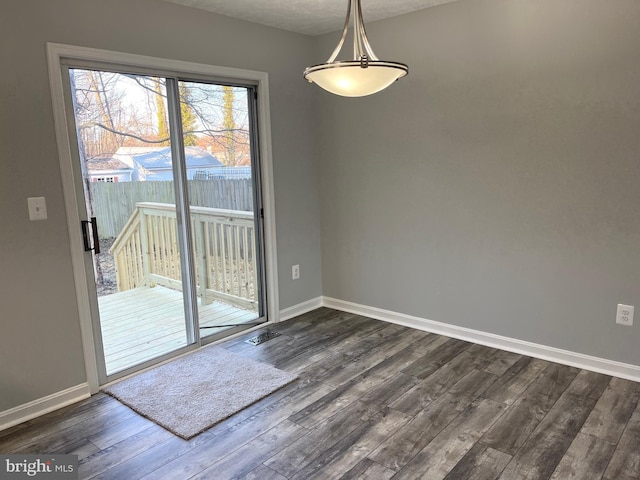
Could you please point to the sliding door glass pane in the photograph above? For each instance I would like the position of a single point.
(215, 121)
(125, 155)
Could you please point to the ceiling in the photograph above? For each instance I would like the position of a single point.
(310, 17)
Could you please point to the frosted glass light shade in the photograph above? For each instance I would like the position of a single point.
(351, 79)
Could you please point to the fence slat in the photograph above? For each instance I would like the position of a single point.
(113, 203)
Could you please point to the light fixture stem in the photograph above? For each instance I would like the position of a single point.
(358, 51)
(361, 46)
(363, 41)
(345, 29)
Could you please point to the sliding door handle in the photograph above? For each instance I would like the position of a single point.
(94, 234)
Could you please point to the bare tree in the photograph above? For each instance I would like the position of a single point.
(211, 115)
(229, 125)
(97, 271)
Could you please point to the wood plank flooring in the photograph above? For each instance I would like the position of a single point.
(144, 323)
(373, 401)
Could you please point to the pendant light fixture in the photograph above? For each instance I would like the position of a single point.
(365, 74)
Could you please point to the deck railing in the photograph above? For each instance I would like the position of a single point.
(146, 252)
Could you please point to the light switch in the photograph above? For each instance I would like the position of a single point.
(37, 208)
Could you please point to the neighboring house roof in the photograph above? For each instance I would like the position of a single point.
(159, 158)
(106, 164)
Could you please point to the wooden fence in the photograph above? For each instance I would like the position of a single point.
(114, 203)
(146, 253)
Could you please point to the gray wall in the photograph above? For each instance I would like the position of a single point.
(494, 188)
(40, 344)
(497, 187)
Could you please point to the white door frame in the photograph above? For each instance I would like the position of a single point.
(72, 186)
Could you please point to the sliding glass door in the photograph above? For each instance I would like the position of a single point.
(170, 184)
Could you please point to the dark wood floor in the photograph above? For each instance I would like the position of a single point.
(374, 401)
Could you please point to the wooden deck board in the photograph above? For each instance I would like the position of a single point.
(144, 323)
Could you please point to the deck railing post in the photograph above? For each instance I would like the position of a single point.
(146, 251)
(201, 255)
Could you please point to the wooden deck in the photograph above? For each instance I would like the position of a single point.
(144, 323)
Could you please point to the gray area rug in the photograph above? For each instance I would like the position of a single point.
(191, 394)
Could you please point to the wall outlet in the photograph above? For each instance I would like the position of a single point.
(624, 315)
(295, 272)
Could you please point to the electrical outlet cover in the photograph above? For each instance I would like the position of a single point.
(624, 315)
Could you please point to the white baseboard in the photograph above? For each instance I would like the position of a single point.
(565, 357)
(47, 404)
(300, 308)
